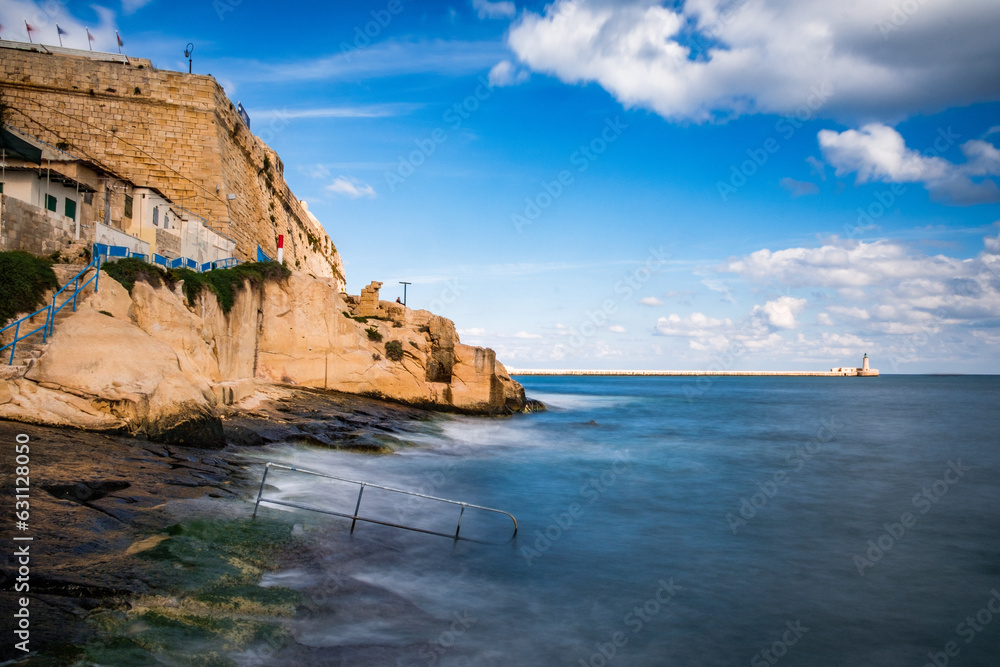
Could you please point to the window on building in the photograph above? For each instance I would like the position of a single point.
(166, 221)
(88, 198)
(1, 187)
(156, 216)
(70, 209)
(128, 206)
(50, 203)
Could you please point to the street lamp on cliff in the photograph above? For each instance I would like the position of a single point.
(187, 54)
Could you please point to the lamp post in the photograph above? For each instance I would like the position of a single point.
(404, 284)
(187, 54)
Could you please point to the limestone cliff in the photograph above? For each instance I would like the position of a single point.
(150, 364)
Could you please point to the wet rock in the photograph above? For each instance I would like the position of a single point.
(82, 492)
(242, 436)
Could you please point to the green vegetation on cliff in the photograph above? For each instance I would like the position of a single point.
(223, 283)
(24, 279)
(394, 350)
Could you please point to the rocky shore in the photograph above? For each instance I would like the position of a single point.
(144, 553)
(155, 360)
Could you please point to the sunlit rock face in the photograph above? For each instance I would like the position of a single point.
(150, 364)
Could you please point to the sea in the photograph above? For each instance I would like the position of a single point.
(665, 521)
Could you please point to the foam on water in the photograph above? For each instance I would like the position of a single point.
(615, 513)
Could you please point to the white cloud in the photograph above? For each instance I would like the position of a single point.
(494, 10)
(43, 16)
(808, 54)
(385, 59)
(351, 187)
(132, 6)
(651, 301)
(367, 111)
(474, 331)
(317, 171)
(616, 328)
(781, 312)
(824, 320)
(879, 153)
(526, 336)
(842, 264)
(504, 73)
(799, 188)
(885, 286)
(852, 312)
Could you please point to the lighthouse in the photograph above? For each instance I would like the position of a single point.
(866, 371)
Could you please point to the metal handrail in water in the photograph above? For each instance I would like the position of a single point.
(356, 517)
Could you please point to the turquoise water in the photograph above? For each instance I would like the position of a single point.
(664, 521)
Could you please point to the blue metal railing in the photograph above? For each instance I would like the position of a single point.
(113, 251)
(17, 330)
(54, 310)
(263, 256)
(108, 252)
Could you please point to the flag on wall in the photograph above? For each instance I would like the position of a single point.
(59, 33)
(120, 42)
(90, 39)
(30, 30)
(243, 113)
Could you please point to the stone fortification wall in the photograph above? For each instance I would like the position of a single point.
(173, 131)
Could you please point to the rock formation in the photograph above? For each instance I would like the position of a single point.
(148, 364)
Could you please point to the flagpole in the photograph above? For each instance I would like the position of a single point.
(119, 38)
(90, 40)
(59, 35)
(28, 28)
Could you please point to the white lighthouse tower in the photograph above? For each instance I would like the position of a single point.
(867, 371)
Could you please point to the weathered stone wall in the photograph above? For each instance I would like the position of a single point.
(173, 131)
(29, 228)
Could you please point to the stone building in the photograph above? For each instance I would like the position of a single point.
(175, 132)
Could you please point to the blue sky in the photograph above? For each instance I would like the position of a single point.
(756, 184)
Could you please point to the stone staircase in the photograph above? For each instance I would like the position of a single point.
(31, 349)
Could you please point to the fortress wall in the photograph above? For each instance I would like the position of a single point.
(173, 131)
